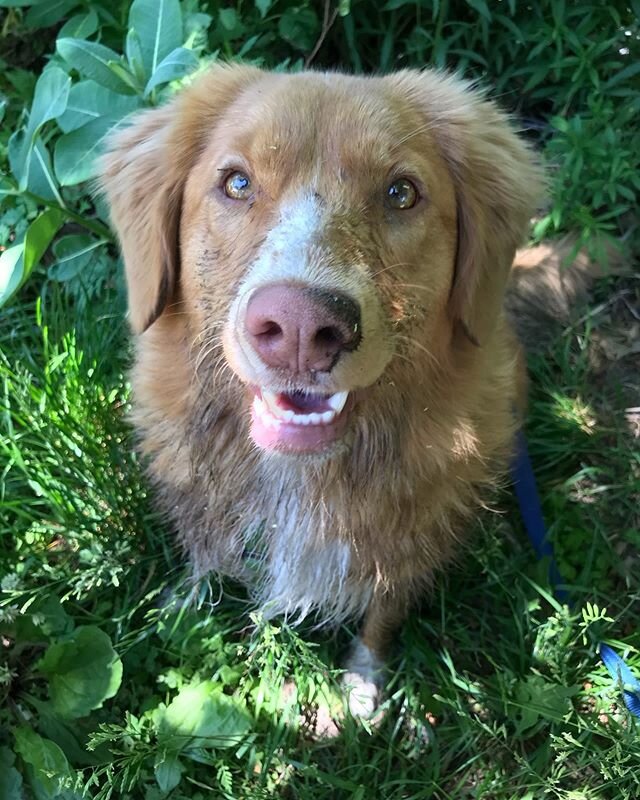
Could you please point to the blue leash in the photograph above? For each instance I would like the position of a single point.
(531, 510)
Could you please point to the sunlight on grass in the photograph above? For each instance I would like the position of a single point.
(576, 412)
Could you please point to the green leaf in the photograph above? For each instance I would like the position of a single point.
(88, 101)
(201, 715)
(11, 271)
(49, 101)
(50, 98)
(623, 75)
(38, 237)
(17, 262)
(50, 772)
(168, 771)
(158, 23)
(541, 227)
(536, 698)
(10, 778)
(299, 27)
(93, 60)
(7, 187)
(511, 26)
(83, 672)
(228, 18)
(247, 46)
(24, 83)
(177, 64)
(80, 26)
(126, 76)
(46, 14)
(263, 6)
(133, 52)
(44, 618)
(19, 161)
(73, 253)
(471, 55)
(626, 192)
(64, 734)
(20, 3)
(196, 26)
(481, 7)
(76, 152)
(36, 175)
(560, 123)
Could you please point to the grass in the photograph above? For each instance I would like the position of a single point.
(495, 689)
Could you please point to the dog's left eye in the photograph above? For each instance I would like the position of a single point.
(402, 194)
(237, 186)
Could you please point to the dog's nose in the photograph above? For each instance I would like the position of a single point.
(300, 328)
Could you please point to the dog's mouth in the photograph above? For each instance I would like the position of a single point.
(298, 421)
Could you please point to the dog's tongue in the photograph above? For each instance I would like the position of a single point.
(302, 402)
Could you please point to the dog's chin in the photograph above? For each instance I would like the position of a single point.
(300, 423)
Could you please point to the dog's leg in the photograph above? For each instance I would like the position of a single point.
(364, 678)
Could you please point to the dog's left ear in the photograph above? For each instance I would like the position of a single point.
(498, 185)
(143, 174)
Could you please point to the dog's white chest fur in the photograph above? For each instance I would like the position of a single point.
(301, 571)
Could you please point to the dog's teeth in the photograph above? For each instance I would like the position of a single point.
(270, 401)
(270, 421)
(267, 408)
(273, 409)
(264, 412)
(314, 418)
(337, 401)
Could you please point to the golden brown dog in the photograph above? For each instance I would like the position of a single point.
(325, 381)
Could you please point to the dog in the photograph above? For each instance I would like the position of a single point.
(325, 385)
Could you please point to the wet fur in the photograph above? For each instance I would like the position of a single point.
(362, 530)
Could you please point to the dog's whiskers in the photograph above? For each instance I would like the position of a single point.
(422, 287)
(166, 313)
(220, 368)
(205, 353)
(208, 336)
(410, 340)
(391, 266)
(212, 343)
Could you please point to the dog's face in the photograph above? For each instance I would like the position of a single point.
(329, 228)
(319, 231)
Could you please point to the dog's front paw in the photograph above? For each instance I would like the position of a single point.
(362, 696)
(362, 682)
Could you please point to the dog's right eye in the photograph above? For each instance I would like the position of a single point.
(402, 194)
(237, 186)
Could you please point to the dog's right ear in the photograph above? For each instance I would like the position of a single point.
(143, 174)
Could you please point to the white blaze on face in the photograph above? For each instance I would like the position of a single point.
(298, 249)
(285, 256)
